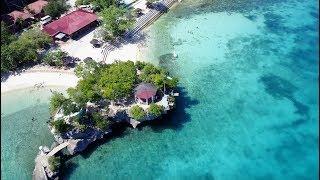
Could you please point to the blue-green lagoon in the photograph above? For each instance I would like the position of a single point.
(248, 105)
(24, 114)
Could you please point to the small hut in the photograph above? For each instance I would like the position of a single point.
(145, 93)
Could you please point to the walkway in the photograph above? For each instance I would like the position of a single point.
(159, 9)
(58, 148)
(143, 21)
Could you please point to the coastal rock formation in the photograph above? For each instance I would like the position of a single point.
(78, 141)
(42, 170)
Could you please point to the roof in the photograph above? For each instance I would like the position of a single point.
(70, 23)
(145, 91)
(36, 7)
(15, 15)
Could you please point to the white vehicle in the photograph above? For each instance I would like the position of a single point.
(45, 20)
(86, 7)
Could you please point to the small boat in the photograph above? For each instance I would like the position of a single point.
(174, 54)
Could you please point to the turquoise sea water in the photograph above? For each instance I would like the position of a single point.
(20, 135)
(249, 97)
(248, 105)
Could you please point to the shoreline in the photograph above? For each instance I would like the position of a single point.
(33, 77)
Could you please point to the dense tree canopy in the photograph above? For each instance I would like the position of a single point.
(86, 68)
(155, 110)
(60, 126)
(100, 122)
(118, 80)
(114, 21)
(55, 58)
(55, 8)
(115, 81)
(87, 90)
(137, 113)
(22, 50)
(155, 75)
(6, 36)
(56, 101)
(54, 163)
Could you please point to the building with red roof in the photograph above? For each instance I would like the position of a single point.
(145, 93)
(12, 17)
(17, 20)
(71, 24)
(36, 8)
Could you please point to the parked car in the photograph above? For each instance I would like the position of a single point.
(45, 20)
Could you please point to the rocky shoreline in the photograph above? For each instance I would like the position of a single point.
(75, 141)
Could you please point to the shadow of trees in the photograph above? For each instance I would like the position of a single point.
(174, 120)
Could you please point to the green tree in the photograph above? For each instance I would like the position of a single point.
(6, 36)
(55, 58)
(155, 110)
(56, 101)
(157, 76)
(102, 4)
(7, 59)
(54, 163)
(86, 68)
(137, 112)
(82, 2)
(114, 21)
(140, 65)
(55, 8)
(86, 90)
(23, 50)
(100, 122)
(36, 37)
(117, 81)
(60, 126)
(69, 107)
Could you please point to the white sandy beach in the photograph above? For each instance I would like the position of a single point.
(31, 78)
(81, 48)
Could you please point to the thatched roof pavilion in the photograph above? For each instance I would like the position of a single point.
(145, 93)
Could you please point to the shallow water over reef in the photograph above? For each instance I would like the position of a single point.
(248, 105)
(248, 102)
(24, 114)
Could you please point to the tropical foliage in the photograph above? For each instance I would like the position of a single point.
(155, 110)
(56, 101)
(54, 163)
(69, 107)
(100, 122)
(55, 58)
(87, 90)
(6, 36)
(16, 52)
(155, 75)
(137, 113)
(86, 68)
(55, 8)
(60, 126)
(98, 4)
(118, 80)
(114, 21)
